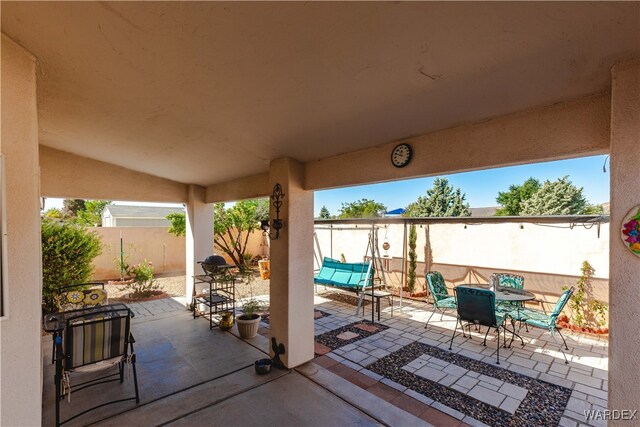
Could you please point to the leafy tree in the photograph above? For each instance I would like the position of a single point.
(363, 208)
(231, 226)
(441, 201)
(558, 197)
(53, 213)
(70, 207)
(324, 213)
(593, 210)
(178, 224)
(91, 215)
(67, 252)
(513, 199)
(84, 212)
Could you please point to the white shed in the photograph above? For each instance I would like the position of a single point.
(137, 216)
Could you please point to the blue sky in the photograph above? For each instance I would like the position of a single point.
(480, 187)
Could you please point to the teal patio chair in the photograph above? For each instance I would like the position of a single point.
(506, 280)
(478, 307)
(442, 301)
(542, 320)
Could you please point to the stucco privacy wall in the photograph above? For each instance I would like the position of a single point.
(155, 244)
(20, 357)
(549, 257)
(66, 175)
(624, 348)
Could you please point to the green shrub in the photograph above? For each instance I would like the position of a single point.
(586, 310)
(143, 285)
(67, 253)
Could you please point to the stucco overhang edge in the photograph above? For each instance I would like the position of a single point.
(250, 187)
(66, 175)
(563, 130)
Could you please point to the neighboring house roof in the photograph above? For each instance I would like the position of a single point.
(398, 211)
(488, 211)
(121, 211)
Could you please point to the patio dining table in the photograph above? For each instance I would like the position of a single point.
(505, 294)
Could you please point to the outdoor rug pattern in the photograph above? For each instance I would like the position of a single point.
(543, 404)
(349, 334)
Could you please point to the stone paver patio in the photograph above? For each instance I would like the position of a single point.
(407, 364)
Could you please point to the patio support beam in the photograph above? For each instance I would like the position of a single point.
(250, 187)
(291, 287)
(624, 289)
(199, 234)
(20, 352)
(559, 131)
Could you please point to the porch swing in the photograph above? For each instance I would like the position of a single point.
(358, 277)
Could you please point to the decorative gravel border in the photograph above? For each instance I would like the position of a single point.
(331, 340)
(265, 317)
(543, 405)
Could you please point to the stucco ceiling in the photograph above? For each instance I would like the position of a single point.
(203, 92)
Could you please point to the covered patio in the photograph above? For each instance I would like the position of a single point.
(198, 103)
(391, 373)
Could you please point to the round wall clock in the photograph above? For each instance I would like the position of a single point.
(401, 155)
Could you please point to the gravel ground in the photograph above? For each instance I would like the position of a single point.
(174, 286)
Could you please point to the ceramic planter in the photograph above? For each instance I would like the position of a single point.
(248, 325)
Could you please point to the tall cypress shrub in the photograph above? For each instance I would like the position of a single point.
(413, 259)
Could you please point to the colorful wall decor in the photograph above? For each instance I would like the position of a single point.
(631, 230)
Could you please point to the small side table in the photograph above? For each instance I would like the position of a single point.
(377, 295)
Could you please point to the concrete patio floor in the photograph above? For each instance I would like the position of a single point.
(188, 374)
(394, 373)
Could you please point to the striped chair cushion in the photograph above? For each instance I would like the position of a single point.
(91, 340)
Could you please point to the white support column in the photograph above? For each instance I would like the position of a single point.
(624, 281)
(291, 288)
(20, 352)
(199, 234)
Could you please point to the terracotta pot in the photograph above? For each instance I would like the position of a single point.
(248, 325)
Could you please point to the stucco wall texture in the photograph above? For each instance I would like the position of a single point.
(155, 244)
(624, 294)
(291, 298)
(21, 362)
(548, 257)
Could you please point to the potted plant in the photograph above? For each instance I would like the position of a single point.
(249, 321)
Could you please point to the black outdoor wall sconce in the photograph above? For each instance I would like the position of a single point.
(277, 223)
